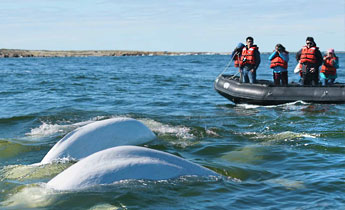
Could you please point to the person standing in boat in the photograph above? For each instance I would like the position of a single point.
(310, 59)
(250, 61)
(236, 55)
(279, 64)
(328, 72)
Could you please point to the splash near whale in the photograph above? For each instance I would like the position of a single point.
(124, 163)
(98, 136)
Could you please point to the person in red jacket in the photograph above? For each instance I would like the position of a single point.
(250, 61)
(279, 64)
(310, 59)
(328, 71)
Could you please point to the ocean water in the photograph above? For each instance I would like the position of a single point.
(289, 156)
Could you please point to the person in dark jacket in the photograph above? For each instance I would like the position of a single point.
(250, 61)
(310, 59)
(236, 55)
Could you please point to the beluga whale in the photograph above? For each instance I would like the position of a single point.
(98, 136)
(125, 163)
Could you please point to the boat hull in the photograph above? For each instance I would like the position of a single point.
(265, 93)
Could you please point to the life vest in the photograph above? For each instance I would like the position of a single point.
(278, 61)
(328, 67)
(237, 61)
(247, 56)
(308, 55)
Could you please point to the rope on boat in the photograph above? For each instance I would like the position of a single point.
(227, 66)
(234, 75)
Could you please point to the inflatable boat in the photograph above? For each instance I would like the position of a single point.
(265, 93)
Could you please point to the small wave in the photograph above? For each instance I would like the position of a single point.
(286, 135)
(196, 61)
(48, 129)
(180, 136)
(295, 103)
(248, 106)
(10, 148)
(288, 184)
(252, 106)
(212, 133)
(107, 206)
(25, 173)
(180, 132)
(32, 196)
(16, 118)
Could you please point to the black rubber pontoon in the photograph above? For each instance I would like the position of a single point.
(265, 93)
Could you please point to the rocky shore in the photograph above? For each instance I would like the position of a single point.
(14, 53)
(17, 53)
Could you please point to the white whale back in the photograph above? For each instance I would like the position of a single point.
(122, 163)
(98, 136)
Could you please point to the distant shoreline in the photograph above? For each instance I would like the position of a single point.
(17, 53)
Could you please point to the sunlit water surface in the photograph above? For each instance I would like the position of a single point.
(287, 156)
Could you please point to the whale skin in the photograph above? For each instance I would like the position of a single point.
(125, 163)
(98, 136)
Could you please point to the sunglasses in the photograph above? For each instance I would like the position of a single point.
(309, 43)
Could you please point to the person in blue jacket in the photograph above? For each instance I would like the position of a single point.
(279, 64)
(328, 71)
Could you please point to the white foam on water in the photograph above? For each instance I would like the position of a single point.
(288, 184)
(295, 103)
(212, 133)
(49, 129)
(107, 206)
(182, 136)
(291, 104)
(248, 106)
(313, 136)
(247, 133)
(286, 135)
(180, 132)
(31, 196)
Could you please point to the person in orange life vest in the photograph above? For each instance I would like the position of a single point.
(250, 61)
(279, 63)
(236, 55)
(328, 71)
(310, 59)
